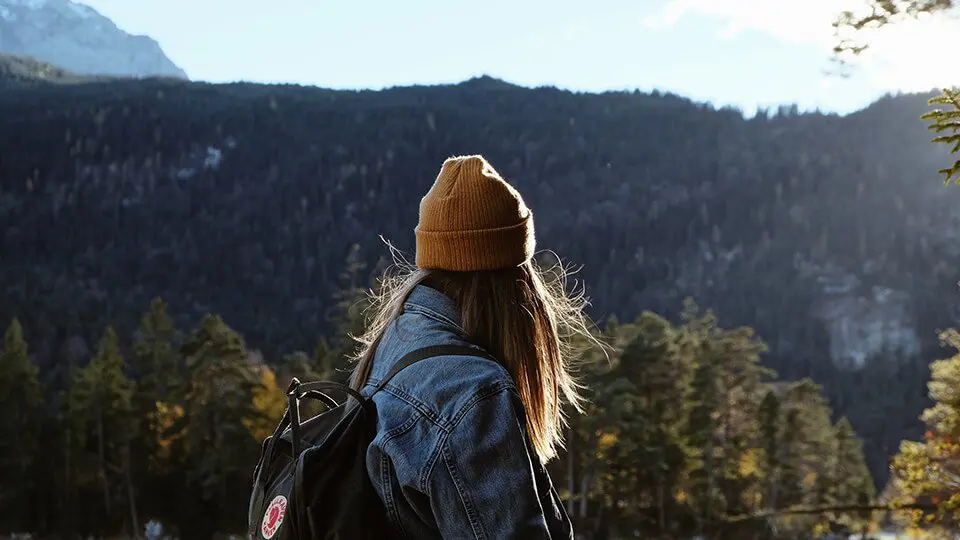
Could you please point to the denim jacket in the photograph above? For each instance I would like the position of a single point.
(451, 457)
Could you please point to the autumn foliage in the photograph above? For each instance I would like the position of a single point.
(928, 471)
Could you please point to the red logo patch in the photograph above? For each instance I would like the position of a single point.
(273, 517)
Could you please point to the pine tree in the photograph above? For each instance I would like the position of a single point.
(770, 439)
(790, 481)
(582, 464)
(703, 433)
(215, 432)
(851, 481)
(807, 461)
(806, 397)
(157, 366)
(296, 364)
(348, 319)
(742, 385)
(20, 401)
(320, 361)
(946, 122)
(727, 390)
(101, 425)
(155, 359)
(661, 379)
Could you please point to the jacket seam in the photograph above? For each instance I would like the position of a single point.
(389, 500)
(417, 405)
(468, 505)
(481, 395)
(400, 430)
(435, 417)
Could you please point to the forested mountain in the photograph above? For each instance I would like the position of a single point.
(829, 235)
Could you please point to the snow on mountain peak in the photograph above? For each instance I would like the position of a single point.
(75, 36)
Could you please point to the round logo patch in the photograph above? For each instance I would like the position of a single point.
(273, 518)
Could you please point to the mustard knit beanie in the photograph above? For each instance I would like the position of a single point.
(472, 219)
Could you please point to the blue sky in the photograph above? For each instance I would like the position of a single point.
(745, 53)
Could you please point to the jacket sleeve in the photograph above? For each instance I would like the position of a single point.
(488, 484)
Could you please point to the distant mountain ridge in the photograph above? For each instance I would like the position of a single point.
(79, 39)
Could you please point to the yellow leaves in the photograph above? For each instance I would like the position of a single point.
(606, 442)
(930, 470)
(269, 401)
(821, 529)
(809, 480)
(749, 463)
(164, 417)
(916, 532)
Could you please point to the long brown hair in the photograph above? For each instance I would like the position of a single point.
(523, 316)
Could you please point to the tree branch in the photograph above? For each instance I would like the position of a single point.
(807, 510)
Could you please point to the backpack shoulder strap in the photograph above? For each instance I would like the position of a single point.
(428, 352)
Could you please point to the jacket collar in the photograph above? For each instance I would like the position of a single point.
(427, 299)
(424, 301)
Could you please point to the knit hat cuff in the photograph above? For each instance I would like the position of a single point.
(482, 249)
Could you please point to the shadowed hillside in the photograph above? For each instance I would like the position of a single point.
(830, 235)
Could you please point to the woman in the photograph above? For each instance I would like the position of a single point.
(462, 440)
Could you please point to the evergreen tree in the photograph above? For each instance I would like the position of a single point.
(703, 432)
(348, 318)
(743, 386)
(101, 425)
(157, 367)
(20, 401)
(661, 379)
(807, 450)
(320, 361)
(298, 364)
(789, 486)
(581, 462)
(214, 433)
(946, 122)
(155, 359)
(727, 389)
(851, 482)
(770, 440)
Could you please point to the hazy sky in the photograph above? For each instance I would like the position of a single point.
(746, 53)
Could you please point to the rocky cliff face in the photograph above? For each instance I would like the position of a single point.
(78, 38)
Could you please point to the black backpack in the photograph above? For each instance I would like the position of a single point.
(311, 481)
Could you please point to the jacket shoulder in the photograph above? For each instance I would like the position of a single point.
(448, 384)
